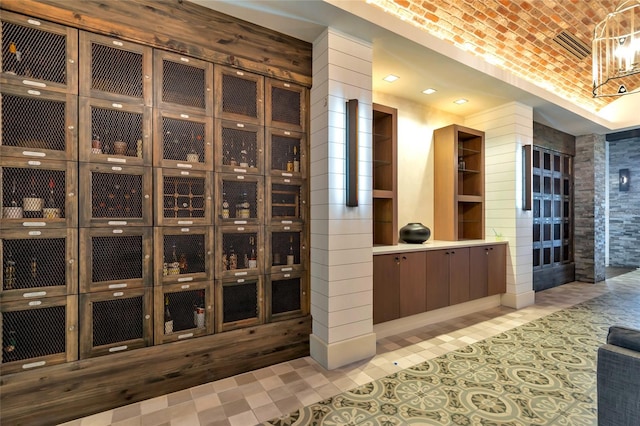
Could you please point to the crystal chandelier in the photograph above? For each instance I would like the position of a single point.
(616, 51)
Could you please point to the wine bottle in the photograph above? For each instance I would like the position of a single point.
(244, 161)
(233, 259)
(32, 205)
(225, 206)
(168, 320)
(51, 203)
(290, 255)
(253, 261)
(34, 268)
(9, 272)
(289, 163)
(296, 160)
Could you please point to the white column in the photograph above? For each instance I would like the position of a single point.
(507, 128)
(341, 237)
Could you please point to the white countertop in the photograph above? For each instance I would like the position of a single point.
(432, 245)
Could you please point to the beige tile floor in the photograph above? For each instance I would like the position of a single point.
(264, 394)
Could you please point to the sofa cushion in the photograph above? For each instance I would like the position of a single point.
(624, 337)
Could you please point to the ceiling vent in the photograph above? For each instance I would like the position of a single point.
(577, 48)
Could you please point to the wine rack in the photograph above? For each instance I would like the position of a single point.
(115, 195)
(38, 263)
(236, 246)
(240, 95)
(185, 254)
(38, 124)
(183, 141)
(286, 248)
(286, 153)
(286, 295)
(286, 199)
(183, 84)
(119, 132)
(239, 147)
(115, 321)
(286, 105)
(190, 311)
(102, 248)
(184, 197)
(239, 199)
(115, 69)
(239, 303)
(38, 194)
(38, 332)
(38, 53)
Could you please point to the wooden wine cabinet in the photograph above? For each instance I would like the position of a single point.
(138, 143)
(385, 197)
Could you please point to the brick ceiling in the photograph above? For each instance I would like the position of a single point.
(517, 35)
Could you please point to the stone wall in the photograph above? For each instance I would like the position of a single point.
(590, 208)
(624, 207)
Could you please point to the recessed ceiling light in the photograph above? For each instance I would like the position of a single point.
(460, 101)
(429, 91)
(391, 78)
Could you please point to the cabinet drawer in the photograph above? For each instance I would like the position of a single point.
(183, 254)
(239, 95)
(119, 133)
(38, 263)
(115, 196)
(286, 200)
(183, 311)
(239, 251)
(115, 69)
(286, 248)
(38, 332)
(239, 199)
(287, 296)
(286, 153)
(38, 54)
(239, 303)
(115, 321)
(183, 84)
(128, 248)
(38, 124)
(38, 194)
(286, 105)
(239, 147)
(183, 141)
(184, 198)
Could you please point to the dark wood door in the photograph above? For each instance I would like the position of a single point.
(386, 290)
(478, 267)
(497, 269)
(458, 275)
(413, 283)
(437, 279)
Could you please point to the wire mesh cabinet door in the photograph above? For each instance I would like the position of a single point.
(286, 105)
(239, 95)
(38, 332)
(38, 54)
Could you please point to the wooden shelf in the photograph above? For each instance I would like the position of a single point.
(385, 207)
(459, 183)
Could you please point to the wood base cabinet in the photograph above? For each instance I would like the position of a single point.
(447, 277)
(489, 266)
(398, 286)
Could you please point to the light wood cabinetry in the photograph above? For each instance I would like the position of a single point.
(458, 183)
(385, 202)
(489, 266)
(399, 288)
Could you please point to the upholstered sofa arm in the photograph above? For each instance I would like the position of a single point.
(618, 378)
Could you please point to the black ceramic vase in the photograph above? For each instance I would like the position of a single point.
(414, 233)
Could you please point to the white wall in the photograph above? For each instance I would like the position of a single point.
(341, 237)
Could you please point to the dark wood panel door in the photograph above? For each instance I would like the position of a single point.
(458, 275)
(437, 279)
(497, 269)
(478, 266)
(386, 291)
(413, 283)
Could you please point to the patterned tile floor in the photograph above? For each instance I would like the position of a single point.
(534, 366)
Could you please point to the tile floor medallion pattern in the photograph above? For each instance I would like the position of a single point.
(540, 373)
(532, 366)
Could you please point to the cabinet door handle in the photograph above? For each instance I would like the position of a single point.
(397, 259)
(404, 257)
(453, 252)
